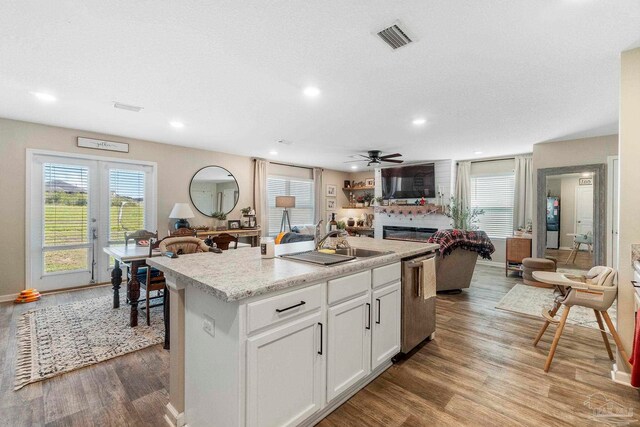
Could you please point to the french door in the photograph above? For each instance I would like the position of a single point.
(78, 206)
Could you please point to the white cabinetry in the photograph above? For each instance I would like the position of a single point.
(385, 336)
(349, 344)
(285, 372)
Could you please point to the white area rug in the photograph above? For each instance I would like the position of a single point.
(59, 339)
(530, 301)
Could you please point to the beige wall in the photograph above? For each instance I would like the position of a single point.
(574, 152)
(331, 177)
(629, 226)
(176, 166)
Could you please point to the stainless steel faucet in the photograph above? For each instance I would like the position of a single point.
(334, 233)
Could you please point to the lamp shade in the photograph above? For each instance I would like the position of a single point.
(285, 202)
(180, 211)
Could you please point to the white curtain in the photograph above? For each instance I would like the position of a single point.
(463, 184)
(523, 194)
(260, 171)
(317, 195)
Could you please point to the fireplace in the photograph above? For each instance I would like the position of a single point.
(413, 234)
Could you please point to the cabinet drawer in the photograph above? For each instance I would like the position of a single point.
(346, 287)
(291, 304)
(387, 274)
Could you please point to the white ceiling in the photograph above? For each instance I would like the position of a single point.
(491, 76)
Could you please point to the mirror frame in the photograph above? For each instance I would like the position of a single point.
(599, 207)
(213, 166)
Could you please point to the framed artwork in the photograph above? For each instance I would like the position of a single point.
(234, 224)
(347, 184)
(332, 190)
(369, 182)
(98, 144)
(331, 204)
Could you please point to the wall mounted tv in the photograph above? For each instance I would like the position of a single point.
(409, 182)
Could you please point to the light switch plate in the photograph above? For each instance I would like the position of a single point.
(209, 325)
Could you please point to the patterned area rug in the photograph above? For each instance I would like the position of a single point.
(59, 339)
(530, 300)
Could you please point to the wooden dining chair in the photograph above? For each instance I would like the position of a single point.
(597, 293)
(224, 240)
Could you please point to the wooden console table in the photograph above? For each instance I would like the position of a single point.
(253, 233)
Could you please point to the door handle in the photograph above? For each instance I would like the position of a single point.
(368, 316)
(378, 317)
(321, 338)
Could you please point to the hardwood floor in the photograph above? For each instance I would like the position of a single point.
(583, 261)
(480, 370)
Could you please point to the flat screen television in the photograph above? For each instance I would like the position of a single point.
(409, 182)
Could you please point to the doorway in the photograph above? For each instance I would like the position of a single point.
(76, 206)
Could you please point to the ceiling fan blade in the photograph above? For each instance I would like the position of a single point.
(388, 156)
(392, 161)
(359, 160)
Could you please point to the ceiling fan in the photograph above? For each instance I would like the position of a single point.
(374, 157)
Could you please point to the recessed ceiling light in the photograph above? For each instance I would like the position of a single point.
(273, 152)
(354, 166)
(176, 124)
(311, 91)
(44, 97)
(477, 153)
(419, 121)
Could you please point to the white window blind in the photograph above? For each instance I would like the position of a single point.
(494, 194)
(301, 189)
(66, 205)
(126, 202)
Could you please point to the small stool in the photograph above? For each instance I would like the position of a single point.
(529, 265)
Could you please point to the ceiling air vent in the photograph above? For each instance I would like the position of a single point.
(127, 107)
(395, 36)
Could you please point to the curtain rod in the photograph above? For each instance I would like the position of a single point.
(493, 159)
(292, 165)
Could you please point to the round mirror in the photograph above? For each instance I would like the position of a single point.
(213, 189)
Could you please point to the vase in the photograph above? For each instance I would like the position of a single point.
(351, 222)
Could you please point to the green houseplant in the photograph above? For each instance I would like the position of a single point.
(463, 218)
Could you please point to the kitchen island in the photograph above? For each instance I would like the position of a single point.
(275, 341)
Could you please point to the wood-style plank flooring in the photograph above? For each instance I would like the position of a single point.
(480, 370)
(583, 261)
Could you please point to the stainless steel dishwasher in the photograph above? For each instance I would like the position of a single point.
(418, 314)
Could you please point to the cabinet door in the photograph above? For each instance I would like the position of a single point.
(348, 344)
(385, 341)
(284, 373)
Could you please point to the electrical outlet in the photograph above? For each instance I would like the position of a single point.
(209, 325)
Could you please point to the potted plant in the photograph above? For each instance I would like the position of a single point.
(219, 218)
(368, 197)
(245, 211)
(464, 218)
(378, 201)
(360, 202)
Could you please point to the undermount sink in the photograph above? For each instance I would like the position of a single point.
(360, 253)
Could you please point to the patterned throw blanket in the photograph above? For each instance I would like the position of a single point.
(477, 241)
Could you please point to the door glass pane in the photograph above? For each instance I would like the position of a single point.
(66, 204)
(126, 203)
(66, 260)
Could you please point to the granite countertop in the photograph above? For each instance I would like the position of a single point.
(242, 273)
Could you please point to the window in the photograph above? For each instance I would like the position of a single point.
(126, 203)
(494, 194)
(301, 189)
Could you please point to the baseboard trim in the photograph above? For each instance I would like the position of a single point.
(8, 298)
(491, 263)
(12, 297)
(172, 417)
(620, 377)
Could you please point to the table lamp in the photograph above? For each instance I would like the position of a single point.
(181, 211)
(285, 202)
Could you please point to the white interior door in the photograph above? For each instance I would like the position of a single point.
(76, 207)
(584, 209)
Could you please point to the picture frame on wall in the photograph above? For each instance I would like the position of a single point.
(347, 184)
(331, 204)
(369, 182)
(332, 190)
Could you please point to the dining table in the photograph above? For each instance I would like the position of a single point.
(134, 256)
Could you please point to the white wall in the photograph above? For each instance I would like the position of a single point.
(629, 227)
